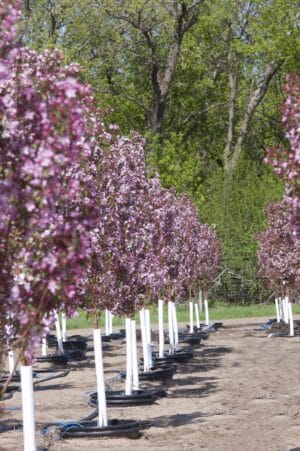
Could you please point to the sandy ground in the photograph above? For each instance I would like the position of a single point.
(241, 392)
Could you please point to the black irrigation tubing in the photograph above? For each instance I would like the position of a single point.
(50, 378)
(36, 380)
(54, 374)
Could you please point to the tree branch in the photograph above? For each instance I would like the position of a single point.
(231, 107)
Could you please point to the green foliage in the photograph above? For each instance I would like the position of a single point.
(177, 163)
(236, 206)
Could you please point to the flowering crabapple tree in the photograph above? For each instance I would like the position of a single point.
(166, 239)
(200, 248)
(47, 197)
(286, 161)
(278, 254)
(188, 250)
(126, 271)
(279, 250)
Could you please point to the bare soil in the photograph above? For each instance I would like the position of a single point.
(240, 392)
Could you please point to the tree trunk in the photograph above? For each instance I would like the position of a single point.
(232, 155)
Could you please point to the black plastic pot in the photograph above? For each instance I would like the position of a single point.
(75, 355)
(105, 338)
(56, 359)
(190, 339)
(72, 345)
(51, 341)
(197, 333)
(155, 373)
(117, 335)
(179, 356)
(194, 341)
(163, 364)
(90, 429)
(118, 398)
(79, 337)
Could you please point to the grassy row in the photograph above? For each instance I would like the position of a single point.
(217, 312)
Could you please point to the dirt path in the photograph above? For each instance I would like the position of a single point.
(241, 392)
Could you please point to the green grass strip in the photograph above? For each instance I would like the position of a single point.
(217, 312)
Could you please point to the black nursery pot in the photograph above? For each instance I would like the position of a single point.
(188, 338)
(56, 359)
(192, 339)
(90, 429)
(167, 359)
(70, 345)
(116, 336)
(197, 333)
(118, 398)
(155, 373)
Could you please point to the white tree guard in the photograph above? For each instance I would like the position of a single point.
(44, 347)
(280, 309)
(111, 316)
(102, 410)
(106, 322)
(28, 408)
(175, 326)
(64, 326)
(59, 335)
(197, 315)
(128, 381)
(11, 361)
(135, 367)
(10, 354)
(206, 312)
(148, 337)
(191, 317)
(170, 323)
(277, 310)
(161, 328)
(286, 310)
(200, 301)
(144, 339)
(292, 333)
